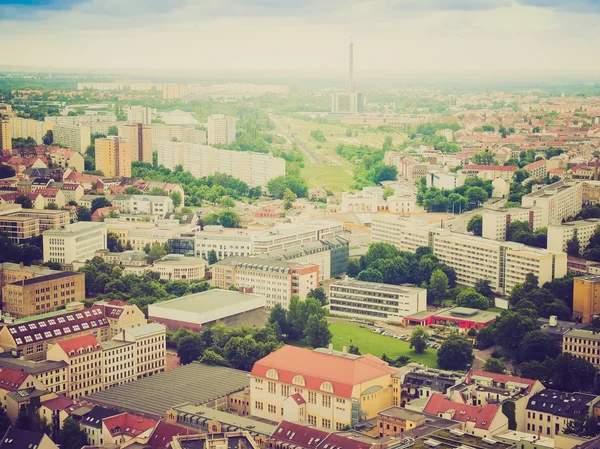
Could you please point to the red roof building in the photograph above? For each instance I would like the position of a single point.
(292, 435)
(163, 434)
(78, 345)
(510, 168)
(501, 380)
(126, 426)
(12, 380)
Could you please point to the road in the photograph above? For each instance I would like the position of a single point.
(286, 133)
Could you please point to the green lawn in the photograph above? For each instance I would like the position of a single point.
(336, 178)
(370, 342)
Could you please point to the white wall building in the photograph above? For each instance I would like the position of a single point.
(558, 201)
(75, 137)
(176, 267)
(150, 347)
(443, 180)
(144, 204)
(76, 241)
(376, 301)
(221, 129)
(495, 222)
(560, 234)
(139, 114)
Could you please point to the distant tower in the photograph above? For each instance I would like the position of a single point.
(351, 68)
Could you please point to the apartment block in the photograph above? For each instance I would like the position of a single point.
(590, 192)
(52, 375)
(144, 204)
(84, 356)
(179, 133)
(139, 114)
(586, 298)
(5, 135)
(221, 129)
(19, 229)
(376, 301)
(290, 383)
(113, 157)
(73, 136)
(275, 280)
(504, 264)
(582, 343)
(118, 362)
(42, 294)
(48, 218)
(495, 222)
(76, 241)
(139, 137)
(256, 169)
(582, 230)
(537, 169)
(150, 348)
(558, 201)
(26, 127)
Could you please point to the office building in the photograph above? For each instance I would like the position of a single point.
(221, 129)
(150, 348)
(504, 264)
(582, 343)
(144, 204)
(495, 222)
(371, 300)
(558, 201)
(84, 356)
(139, 114)
(113, 157)
(5, 135)
(195, 311)
(139, 137)
(75, 137)
(582, 230)
(47, 218)
(76, 241)
(42, 294)
(330, 386)
(275, 280)
(288, 236)
(586, 298)
(19, 229)
(255, 169)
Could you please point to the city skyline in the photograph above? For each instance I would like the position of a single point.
(395, 37)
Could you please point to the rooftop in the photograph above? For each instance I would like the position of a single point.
(465, 313)
(128, 424)
(196, 383)
(581, 333)
(146, 329)
(560, 403)
(580, 223)
(550, 189)
(387, 288)
(76, 228)
(31, 367)
(206, 301)
(402, 413)
(48, 277)
(481, 416)
(20, 439)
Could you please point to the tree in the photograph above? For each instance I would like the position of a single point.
(157, 191)
(99, 203)
(418, 339)
(113, 243)
(288, 199)
(71, 436)
(484, 158)
(475, 225)
(455, 353)
(278, 318)
(157, 251)
(229, 219)
(494, 365)
(511, 328)
(573, 248)
(538, 345)
(353, 349)
(133, 191)
(6, 171)
(52, 206)
(226, 202)
(380, 251)
(212, 257)
(575, 427)
(387, 192)
(476, 195)
(438, 286)
(239, 352)
(520, 175)
(210, 357)
(370, 275)
(486, 337)
(353, 268)
(470, 298)
(84, 214)
(483, 287)
(113, 130)
(25, 202)
(385, 173)
(317, 333)
(189, 348)
(571, 373)
(48, 138)
(318, 293)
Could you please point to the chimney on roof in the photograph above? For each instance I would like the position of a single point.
(123, 334)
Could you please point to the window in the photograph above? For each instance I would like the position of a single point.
(312, 420)
(271, 409)
(326, 401)
(271, 387)
(285, 391)
(326, 423)
(258, 405)
(312, 397)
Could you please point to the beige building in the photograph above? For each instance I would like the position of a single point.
(275, 280)
(586, 298)
(582, 230)
(139, 137)
(5, 135)
(121, 316)
(139, 114)
(291, 383)
(118, 362)
(77, 241)
(27, 127)
(495, 222)
(187, 134)
(19, 229)
(175, 267)
(42, 294)
(84, 356)
(221, 129)
(558, 201)
(487, 172)
(67, 158)
(113, 157)
(52, 376)
(150, 348)
(48, 219)
(14, 272)
(584, 344)
(73, 136)
(504, 264)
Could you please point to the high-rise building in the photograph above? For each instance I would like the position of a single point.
(586, 298)
(139, 137)
(139, 114)
(221, 129)
(5, 135)
(349, 101)
(113, 157)
(558, 201)
(75, 137)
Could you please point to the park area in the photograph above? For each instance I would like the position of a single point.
(367, 341)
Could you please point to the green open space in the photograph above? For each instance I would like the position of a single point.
(367, 341)
(333, 178)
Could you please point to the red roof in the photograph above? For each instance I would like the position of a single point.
(335, 440)
(59, 403)
(163, 434)
(104, 210)
(491, 167)
(47, 193)
(80, 177)
(298, 398)
(317, 367)
(76, 345)
(481, 416)
(536, 164)
(298, 434)
(11, 380)
(501, 378)
(70, 186)
(556, 171)
(128, 424)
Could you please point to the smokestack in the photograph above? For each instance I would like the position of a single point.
(123, 334)
(351, 68)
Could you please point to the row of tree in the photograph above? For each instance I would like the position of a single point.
(472, 194)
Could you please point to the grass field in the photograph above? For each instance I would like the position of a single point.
(370, 342)
(334, 178)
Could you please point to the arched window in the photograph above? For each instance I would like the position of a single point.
(272, 374)
(327, 386)
(299, 380)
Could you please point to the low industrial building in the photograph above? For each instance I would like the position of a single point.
(195, 311)
(461, 317)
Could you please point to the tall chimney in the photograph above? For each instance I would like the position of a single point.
(123, 334)
(351, 68)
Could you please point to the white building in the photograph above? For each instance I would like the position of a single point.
(118, 362)
(150, 348)
(177, 133)
(376, 301)
(255, 169)
(176, 267)
(139, 114)
(143, 204)
(504, 264)
(288, 235)
(221, 129)
(495, 222)
(443, 180)
(560, 234)
(74, 137)
(558, 201)
(76, 241)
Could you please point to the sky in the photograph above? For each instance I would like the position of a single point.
(305, 36)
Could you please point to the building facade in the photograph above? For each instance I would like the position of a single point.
(582, 230)
(77, 241)
(586, 298)
(495, 222)
(113, 157)
(139, 137)
(221, 129)
(558, 201)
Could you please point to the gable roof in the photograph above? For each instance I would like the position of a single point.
(94, 417)
(20, 439)
(163, 434)
(343, 372)
(128, 424)
(59, 403)
(502, 378)
(80, 344)
(536, 164)
(481, 416)
(298, 435)
(12, 380)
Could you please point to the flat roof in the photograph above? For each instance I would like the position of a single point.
(580, 333)
(195, 383)
(113, 344)
(388, 288)
(206, 301)
(75, 228)
(48, 277)
(31, 367)
(32, 269)
(402, 413)
(464, 313)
